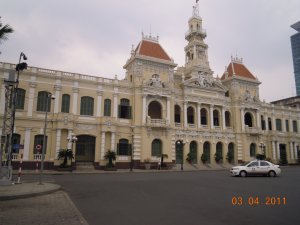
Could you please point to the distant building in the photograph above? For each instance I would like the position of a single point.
(291, 102)
(295, 41)
(158, 108)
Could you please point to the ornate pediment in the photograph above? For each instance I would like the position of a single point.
(155, 82)
(206, 81)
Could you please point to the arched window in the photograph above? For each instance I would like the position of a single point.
(43, 101)
(248, 119)
(156, 148)
(278, 125)
(193, 152)
(190, 115)
(155, 110)
(263, 123)
(65, 103)
(107, 107)
(87, 106)
(203, 116)
(216, 116)
(227, 119)
(124, 148)
(230, 153)
(16, 140)
(206, 151)
(270, 123)
(252, 150)
(177, 111)
(20, 99)
(219, 152)
(125, 109)
(38, 140)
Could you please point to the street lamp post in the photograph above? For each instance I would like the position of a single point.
(8, 128)
(72, 139)
(180, 144)
(49, 98)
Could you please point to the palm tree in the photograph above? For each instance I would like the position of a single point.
(65, 154)
(110, 156)
(4, 31)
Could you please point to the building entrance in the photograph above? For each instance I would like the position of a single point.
(85, 148)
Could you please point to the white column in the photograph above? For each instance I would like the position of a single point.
(69, 146)
(31, 98)
(102, 145)
(274, 150)
(2, 103)
(144, 109)
(267, 122)
(168, 111)
(99, 104)
(258, 122)
(291, 126)
(58, 141)
(273, 123)
(295, 151)
(242, 119)
(277, 148)
(195, 52)
(112, 146)
(57, 89)
(199, 114)
(185, 113)
(26, 143)
(75, 100)
(115, 115)
(292, 150)
(211, 110)
(223, 118)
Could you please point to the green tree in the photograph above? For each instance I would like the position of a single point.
(4, 31)
(65, 154)
(110, 156)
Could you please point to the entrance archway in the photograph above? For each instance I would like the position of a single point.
(85, 148)
(179, 152)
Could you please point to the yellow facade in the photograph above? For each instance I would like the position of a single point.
(211, 113)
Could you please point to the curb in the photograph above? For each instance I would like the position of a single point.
(21, 194)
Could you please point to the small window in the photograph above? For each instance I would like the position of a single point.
(107, 107)
(124, 148)
(87, 106)
(278, 125)
(263, 163)
(125, 109)
(43, 101)
(65, 103)
(20, 99)
(287, 126)
(253, 164)
(295, 128)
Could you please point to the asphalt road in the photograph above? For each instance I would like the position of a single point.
(188, 198)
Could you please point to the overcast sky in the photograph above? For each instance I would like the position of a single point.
(94, 37)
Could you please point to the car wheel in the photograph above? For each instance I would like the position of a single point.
(243, 174)
(272, 174)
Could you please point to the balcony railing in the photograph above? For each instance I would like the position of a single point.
(252, 130)
(156, 122)
(37, 157)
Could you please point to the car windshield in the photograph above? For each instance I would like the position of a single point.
(244, 164)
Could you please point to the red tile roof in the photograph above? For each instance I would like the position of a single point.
(152, 49)
(238, 69)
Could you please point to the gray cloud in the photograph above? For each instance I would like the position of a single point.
(95, 37)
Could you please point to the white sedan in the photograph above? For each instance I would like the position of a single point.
(256, 167)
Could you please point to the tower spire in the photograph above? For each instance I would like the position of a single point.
(196, 9)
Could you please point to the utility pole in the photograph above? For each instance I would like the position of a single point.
(11, 87)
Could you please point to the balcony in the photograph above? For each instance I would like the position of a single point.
(156, 122)
(252, 130)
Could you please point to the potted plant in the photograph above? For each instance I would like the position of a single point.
(204, 157)
(218, 157)
(65, 154)
(110, 156)
(147, 163)
(190, 157)
(230, 156)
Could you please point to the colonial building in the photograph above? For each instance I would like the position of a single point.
(158, 108)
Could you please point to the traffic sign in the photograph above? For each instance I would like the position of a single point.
(38, 147)
(18, 146)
